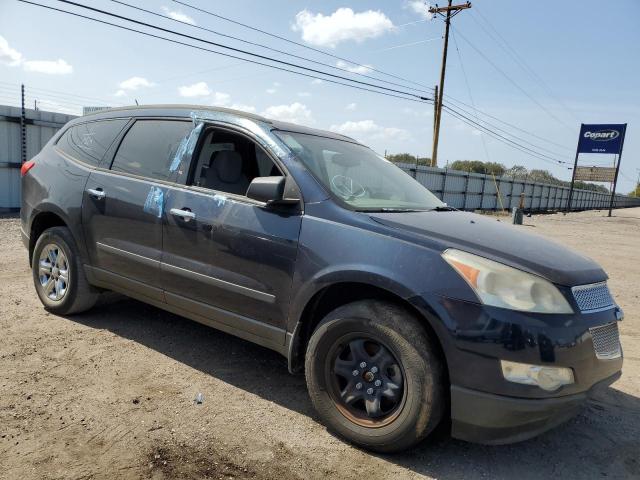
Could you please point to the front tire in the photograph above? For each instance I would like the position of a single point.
(375, 377)
(58, 275)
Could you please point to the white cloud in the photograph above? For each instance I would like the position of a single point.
(51, 67)
(294, 113)
(353, 68)
(316, 81)
(178, 15)
(271, 91)
(304, 94)
(352, 106)
(341, 26)
(277, 84)
(368, 129)
(200, 89)
(9, 56)
(420, 7)
(13, 58)
(120, 93)
(221, 99)
(134, 83)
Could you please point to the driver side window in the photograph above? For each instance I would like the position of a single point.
(228, 162)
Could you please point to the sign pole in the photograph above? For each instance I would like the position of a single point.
(615, 179)
(573, 175)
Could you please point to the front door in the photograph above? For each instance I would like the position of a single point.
(228, 258)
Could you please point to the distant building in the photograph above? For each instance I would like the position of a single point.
(88, 110)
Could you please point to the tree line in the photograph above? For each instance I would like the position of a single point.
(517, 172)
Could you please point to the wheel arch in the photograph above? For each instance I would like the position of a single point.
(40, 222)
(333, 295)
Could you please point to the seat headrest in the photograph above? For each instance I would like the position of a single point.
(227, 165)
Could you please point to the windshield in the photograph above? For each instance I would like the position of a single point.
(358, 176)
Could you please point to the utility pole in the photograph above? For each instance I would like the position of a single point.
(451, 11)
(435, 114)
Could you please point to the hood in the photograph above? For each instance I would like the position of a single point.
(499, 241)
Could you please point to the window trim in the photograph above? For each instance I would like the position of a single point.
(107, 161)
(66, 129)
(249, 136)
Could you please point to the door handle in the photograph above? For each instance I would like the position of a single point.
(186, 215)
(97, 193)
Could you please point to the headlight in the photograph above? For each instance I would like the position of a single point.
(547, 378)
(502, 286)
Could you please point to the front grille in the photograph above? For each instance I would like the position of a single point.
(606, 341)
(595, 296)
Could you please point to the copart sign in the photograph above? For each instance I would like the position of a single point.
(601, 138)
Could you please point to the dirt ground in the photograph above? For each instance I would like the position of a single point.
(110, 394)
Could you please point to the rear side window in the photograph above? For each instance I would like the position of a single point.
(149, 147)
(88, 142)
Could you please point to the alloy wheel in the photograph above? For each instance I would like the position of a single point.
(53, 272)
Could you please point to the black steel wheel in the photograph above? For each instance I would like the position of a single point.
(366, 381)
(375, 376)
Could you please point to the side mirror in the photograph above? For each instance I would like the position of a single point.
(269, 190)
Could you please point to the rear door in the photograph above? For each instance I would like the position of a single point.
(228, 258)
(123, 205)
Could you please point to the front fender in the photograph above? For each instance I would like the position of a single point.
(371, 275)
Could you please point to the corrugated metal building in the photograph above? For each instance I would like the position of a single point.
(40, 126)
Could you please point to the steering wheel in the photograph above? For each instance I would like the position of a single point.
(347, 187)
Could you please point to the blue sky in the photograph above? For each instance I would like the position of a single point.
(584, 55)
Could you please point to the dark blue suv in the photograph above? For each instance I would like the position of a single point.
(403, 313)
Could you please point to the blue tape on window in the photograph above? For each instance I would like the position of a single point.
(261, 129)
(187, 146)
(154, 203)
(220, 200)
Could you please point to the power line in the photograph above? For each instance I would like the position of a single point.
(335, 67)
(237, 50)
(293, 42)
(508, 48)
(458, 102)
(362, 65)
(122, 27)
(466, 81)
(500, 137)
(409, 44)
(476, 111)
(484, 128)
(253, 28)
(513, 82)
(59, 93)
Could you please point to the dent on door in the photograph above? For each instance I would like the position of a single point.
(230, 260)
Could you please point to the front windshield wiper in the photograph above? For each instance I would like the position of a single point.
(443, 208)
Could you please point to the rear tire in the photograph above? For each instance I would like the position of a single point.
(58, 274)
(375, 377)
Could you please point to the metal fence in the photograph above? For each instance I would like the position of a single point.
(477, 191)
(467, 191)
(39, 128)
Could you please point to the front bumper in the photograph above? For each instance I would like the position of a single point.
(485, 407)
(490, 419)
